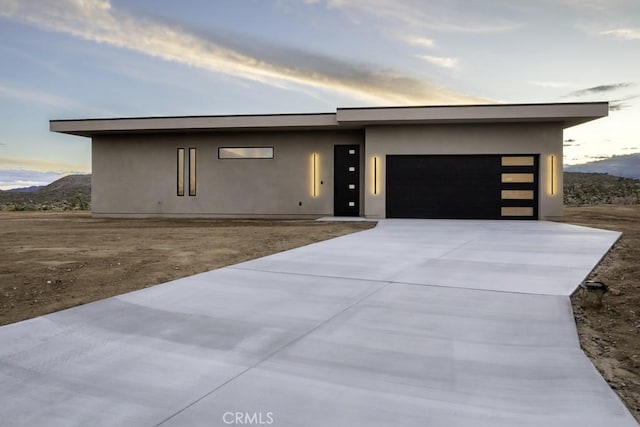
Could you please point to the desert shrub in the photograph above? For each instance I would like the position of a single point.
(596, 189)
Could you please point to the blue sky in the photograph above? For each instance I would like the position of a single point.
(101, 58)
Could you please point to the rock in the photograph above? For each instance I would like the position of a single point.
(591, 294)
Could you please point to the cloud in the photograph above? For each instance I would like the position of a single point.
(432, 15)
(570, 142)
(594, 5)
(599, 89)
(420, 41)
(20, 178)
(24, 56)
(32, 96)
(553, 85)
(36, 97)
(620, 104)
(239, 57)
(623, 33)
(440, 61)
(41, 165)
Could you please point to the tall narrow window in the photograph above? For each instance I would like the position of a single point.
(192, 171)
(180, 171)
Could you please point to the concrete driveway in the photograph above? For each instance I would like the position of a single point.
(413, 323)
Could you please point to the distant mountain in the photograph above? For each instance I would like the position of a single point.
(69, 192)
(627, 166)
(74, 192)
(26, 189)
(68, 186)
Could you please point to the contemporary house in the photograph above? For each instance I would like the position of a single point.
(465, 162)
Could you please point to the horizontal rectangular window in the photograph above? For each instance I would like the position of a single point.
(245, 153)
(518, 161)
(517, 194)
(517, 177)
(516, 211)
(180, 171)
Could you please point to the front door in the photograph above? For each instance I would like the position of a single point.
(346, 180)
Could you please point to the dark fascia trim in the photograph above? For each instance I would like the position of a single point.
(190, 117)
(533, 104)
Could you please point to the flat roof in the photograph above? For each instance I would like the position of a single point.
(569, 114)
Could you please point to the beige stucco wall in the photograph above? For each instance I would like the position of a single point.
(544, 139)
(136, 174)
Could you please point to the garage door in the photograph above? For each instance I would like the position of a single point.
(462, 186)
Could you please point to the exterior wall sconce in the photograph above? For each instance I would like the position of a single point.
(374, 170)
(552, 175)
(314, 175)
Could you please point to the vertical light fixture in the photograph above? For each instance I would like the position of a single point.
(314, 175)
(552, 176)
(375, 175)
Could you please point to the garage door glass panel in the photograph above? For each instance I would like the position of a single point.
(517, 194)
(519, 191)
(517, 211)
(518, 177)
(518, 161)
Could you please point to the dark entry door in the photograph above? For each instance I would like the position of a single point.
(346, 180)
(443, 186)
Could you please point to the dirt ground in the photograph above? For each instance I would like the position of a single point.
(51, 261)
(610, 335)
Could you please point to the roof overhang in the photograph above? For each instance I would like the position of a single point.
(91, 127)
(567, 114)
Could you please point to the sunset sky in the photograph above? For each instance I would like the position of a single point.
(100, 58)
